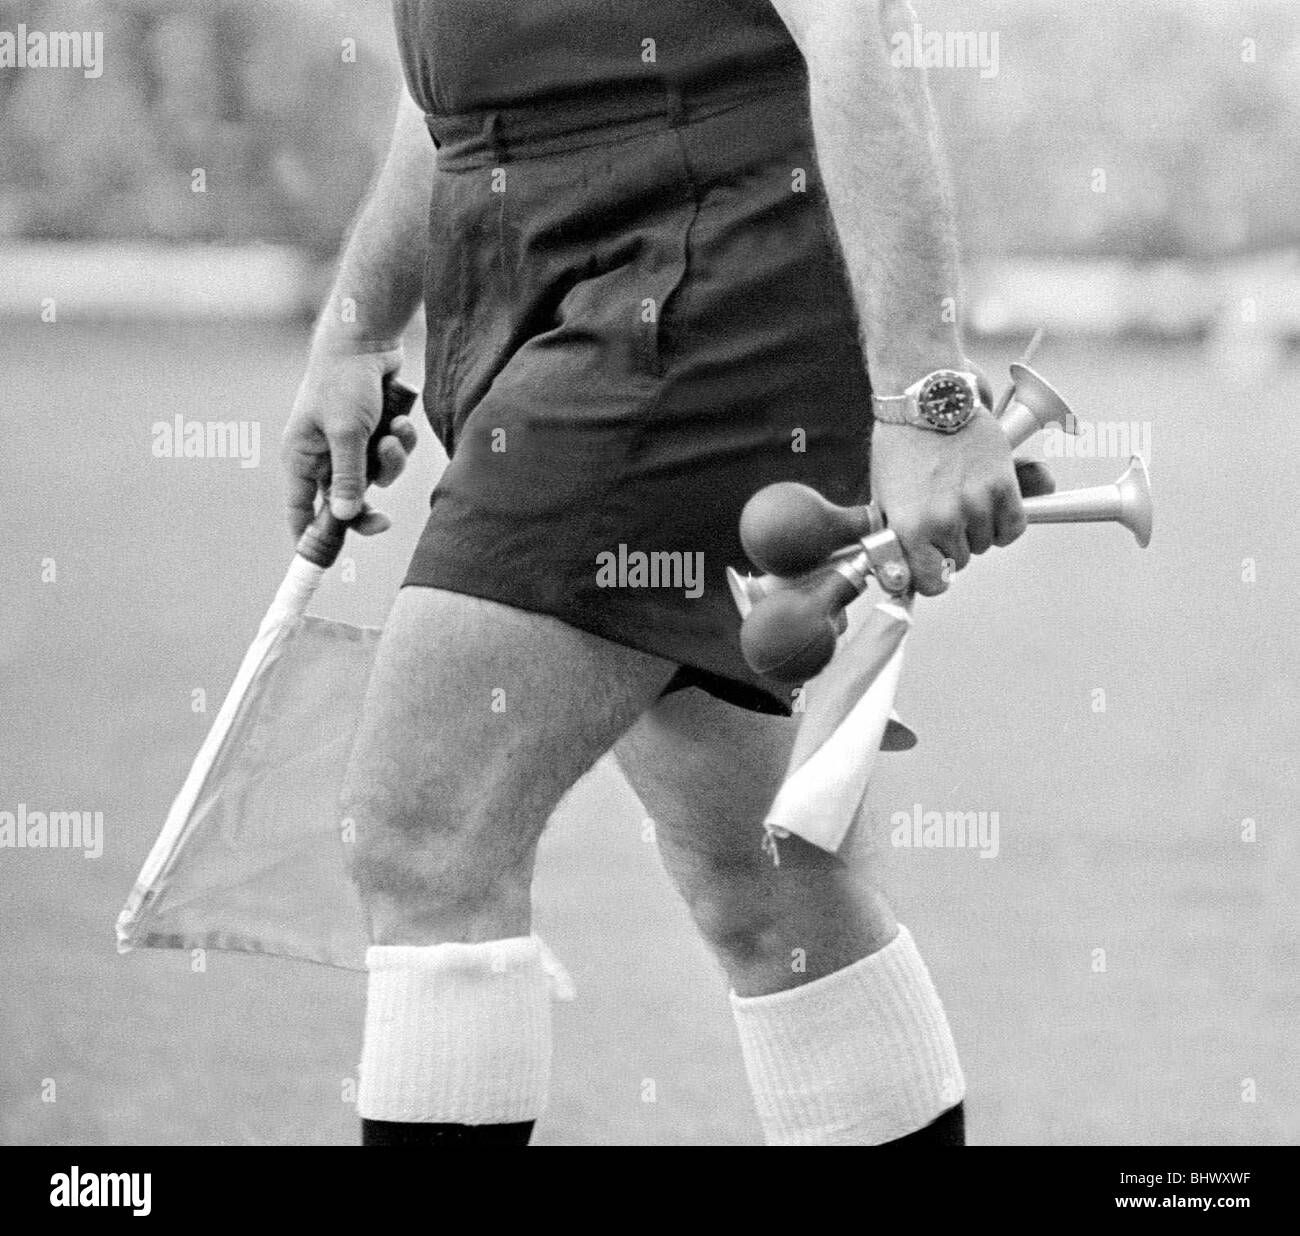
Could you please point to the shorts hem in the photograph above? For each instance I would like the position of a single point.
(749, 696)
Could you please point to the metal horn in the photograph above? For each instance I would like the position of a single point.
(790, 529)
(1034, 404)
(1127, 501)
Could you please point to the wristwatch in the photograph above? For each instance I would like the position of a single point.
(943, 401)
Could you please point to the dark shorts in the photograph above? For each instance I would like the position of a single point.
(634, 323)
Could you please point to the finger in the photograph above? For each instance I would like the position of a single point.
(371, 523)
(923, 559)
(1034, 479)
(929, 543)
(392, 459)
(304, 480)
(301, 500)
(979, 524)
(948, 536)
(403, 429)
(931, 570)
(1008, 516)
(347, 471)
(955, 551)
(302, 455)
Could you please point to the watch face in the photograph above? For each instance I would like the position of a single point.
(947, 400)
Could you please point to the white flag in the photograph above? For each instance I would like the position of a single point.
(848, 720)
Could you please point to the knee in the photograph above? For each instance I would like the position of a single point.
(738, 917)
(424, 876)
(772, 927)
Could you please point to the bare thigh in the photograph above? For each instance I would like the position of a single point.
(707, 773)
(479, 717)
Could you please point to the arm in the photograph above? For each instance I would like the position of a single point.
(382, 267)
(946, 496)
(357, 340)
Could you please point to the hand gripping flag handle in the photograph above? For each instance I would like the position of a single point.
(322, 541)
(317, 549)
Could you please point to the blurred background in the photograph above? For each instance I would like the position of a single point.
(1159, 135)
(1128, 178)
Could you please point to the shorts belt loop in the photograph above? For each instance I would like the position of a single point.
(675, 108)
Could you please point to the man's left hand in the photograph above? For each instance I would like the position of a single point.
(948, 496)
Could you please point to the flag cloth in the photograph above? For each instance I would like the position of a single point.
(850, 705)
(253, 856)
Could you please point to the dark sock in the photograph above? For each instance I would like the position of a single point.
(948, 1130)
(397, 1133)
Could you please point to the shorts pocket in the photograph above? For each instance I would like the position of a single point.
(445, 306)
(661, 284)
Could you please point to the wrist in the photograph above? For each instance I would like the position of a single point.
(338, 340)
(892, 373)
(349, 327)
(943, 400)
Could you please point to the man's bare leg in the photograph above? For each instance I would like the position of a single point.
(478, 719)
(707, 773)
(845, 1040)
(457, 1017)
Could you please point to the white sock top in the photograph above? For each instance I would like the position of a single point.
(459, 1033)
(855, 1058)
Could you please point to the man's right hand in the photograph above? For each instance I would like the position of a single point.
(337, 407)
